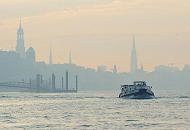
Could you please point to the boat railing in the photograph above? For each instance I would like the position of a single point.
(132, 87)
(139, 87)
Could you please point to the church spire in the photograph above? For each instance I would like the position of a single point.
(20, 24)
(114, 69)
(134, 46)
(50, 57)
(70, 58)
(20, 48)
(142, 67)
(134, 62)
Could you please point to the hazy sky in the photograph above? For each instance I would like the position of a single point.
(100, 31)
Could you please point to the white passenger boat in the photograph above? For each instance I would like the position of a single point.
(139, 90)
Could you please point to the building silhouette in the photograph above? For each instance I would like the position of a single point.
(20, 48)
(21, 65)
(134, 62)
(31, 55)
(101, 68)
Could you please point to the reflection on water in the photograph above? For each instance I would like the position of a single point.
(92, 110)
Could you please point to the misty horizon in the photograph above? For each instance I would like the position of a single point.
(94, 64)
(103, 33)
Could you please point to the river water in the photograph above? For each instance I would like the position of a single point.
(93, 110)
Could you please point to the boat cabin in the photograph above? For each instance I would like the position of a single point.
(139, 83)
(136, 86)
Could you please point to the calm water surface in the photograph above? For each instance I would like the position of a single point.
(93, 110)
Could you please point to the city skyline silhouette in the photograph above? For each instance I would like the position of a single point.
(86, 28)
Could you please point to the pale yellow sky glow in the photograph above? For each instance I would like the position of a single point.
(100, 31)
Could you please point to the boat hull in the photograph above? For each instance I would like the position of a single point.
(138, 95)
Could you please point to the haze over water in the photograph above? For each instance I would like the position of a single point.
(87, 26)
(94, 46)
(93, 110)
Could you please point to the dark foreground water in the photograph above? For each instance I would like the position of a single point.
(93, 110)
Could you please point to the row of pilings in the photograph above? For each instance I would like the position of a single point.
(51, 84)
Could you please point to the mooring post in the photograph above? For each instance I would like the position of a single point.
(62, 82)
(67, 80)
(76, 83)
(53, 81)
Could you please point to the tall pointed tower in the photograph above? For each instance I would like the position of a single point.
(70, 58)
(114, 69)
(142, 68)
(50, 57)
(134, 62)
(20, 48)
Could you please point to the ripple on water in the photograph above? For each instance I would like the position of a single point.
(131, 120)
(82, 111)
(85, 125)
(38, 126)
